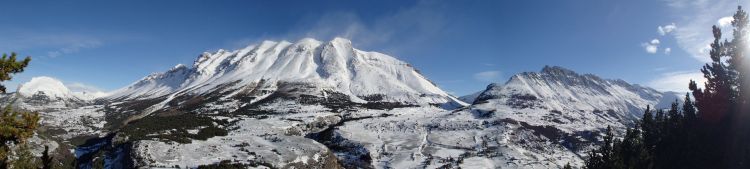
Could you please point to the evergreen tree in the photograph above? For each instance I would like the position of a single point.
(602, 158)
(9, 66)
(15, 127)
(721, 103)
(688, 110)
(650, 134)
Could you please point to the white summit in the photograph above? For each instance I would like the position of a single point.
(333, 66)
(54, 89)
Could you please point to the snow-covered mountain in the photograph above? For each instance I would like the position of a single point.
(540, 119)
(313, 104)
(43, 93)
(335, 66)
(54, 88)
(65, 113)
(308, 71)
(565, 110)
(560, 89)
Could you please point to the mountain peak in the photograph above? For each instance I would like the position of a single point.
(557, 88)
(46, 85)
(334, 65)
(557, 70)
(54, 88)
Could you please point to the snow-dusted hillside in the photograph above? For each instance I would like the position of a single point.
(333, 66)
(561, 90)
(568, 109)
(535, 120)
(64, 113)
(46, 93)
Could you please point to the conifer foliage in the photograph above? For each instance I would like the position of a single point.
(15, 127)
(9, 66)
(711, 132)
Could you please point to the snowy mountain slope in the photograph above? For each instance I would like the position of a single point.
(568, 109)
(560, 89)
(44, 85)
(53, 88)
(433, 138)
(64, 113)
(521, 124)
(309, 71)
(332, 74)
(281, 84)
(46, 93)
(333, 65)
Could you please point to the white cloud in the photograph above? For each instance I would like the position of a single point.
(488, 76)
(676, 81)
(667, 51)
(655, 42)
(666, 29)
(725, 21)
(651, 47)
(695, 18)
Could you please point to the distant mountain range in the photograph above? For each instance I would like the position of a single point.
(328, 105)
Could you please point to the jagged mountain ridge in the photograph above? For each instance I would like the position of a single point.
(558, 88)
(333, 66)
(562, 97)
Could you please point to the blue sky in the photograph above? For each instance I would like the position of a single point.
(460, 45)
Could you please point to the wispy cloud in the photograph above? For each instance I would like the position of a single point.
(73, 47)
(676, 81)
(56, 45)
(695, 18)
(488, 76)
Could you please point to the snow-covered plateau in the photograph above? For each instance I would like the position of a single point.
(315, 104)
